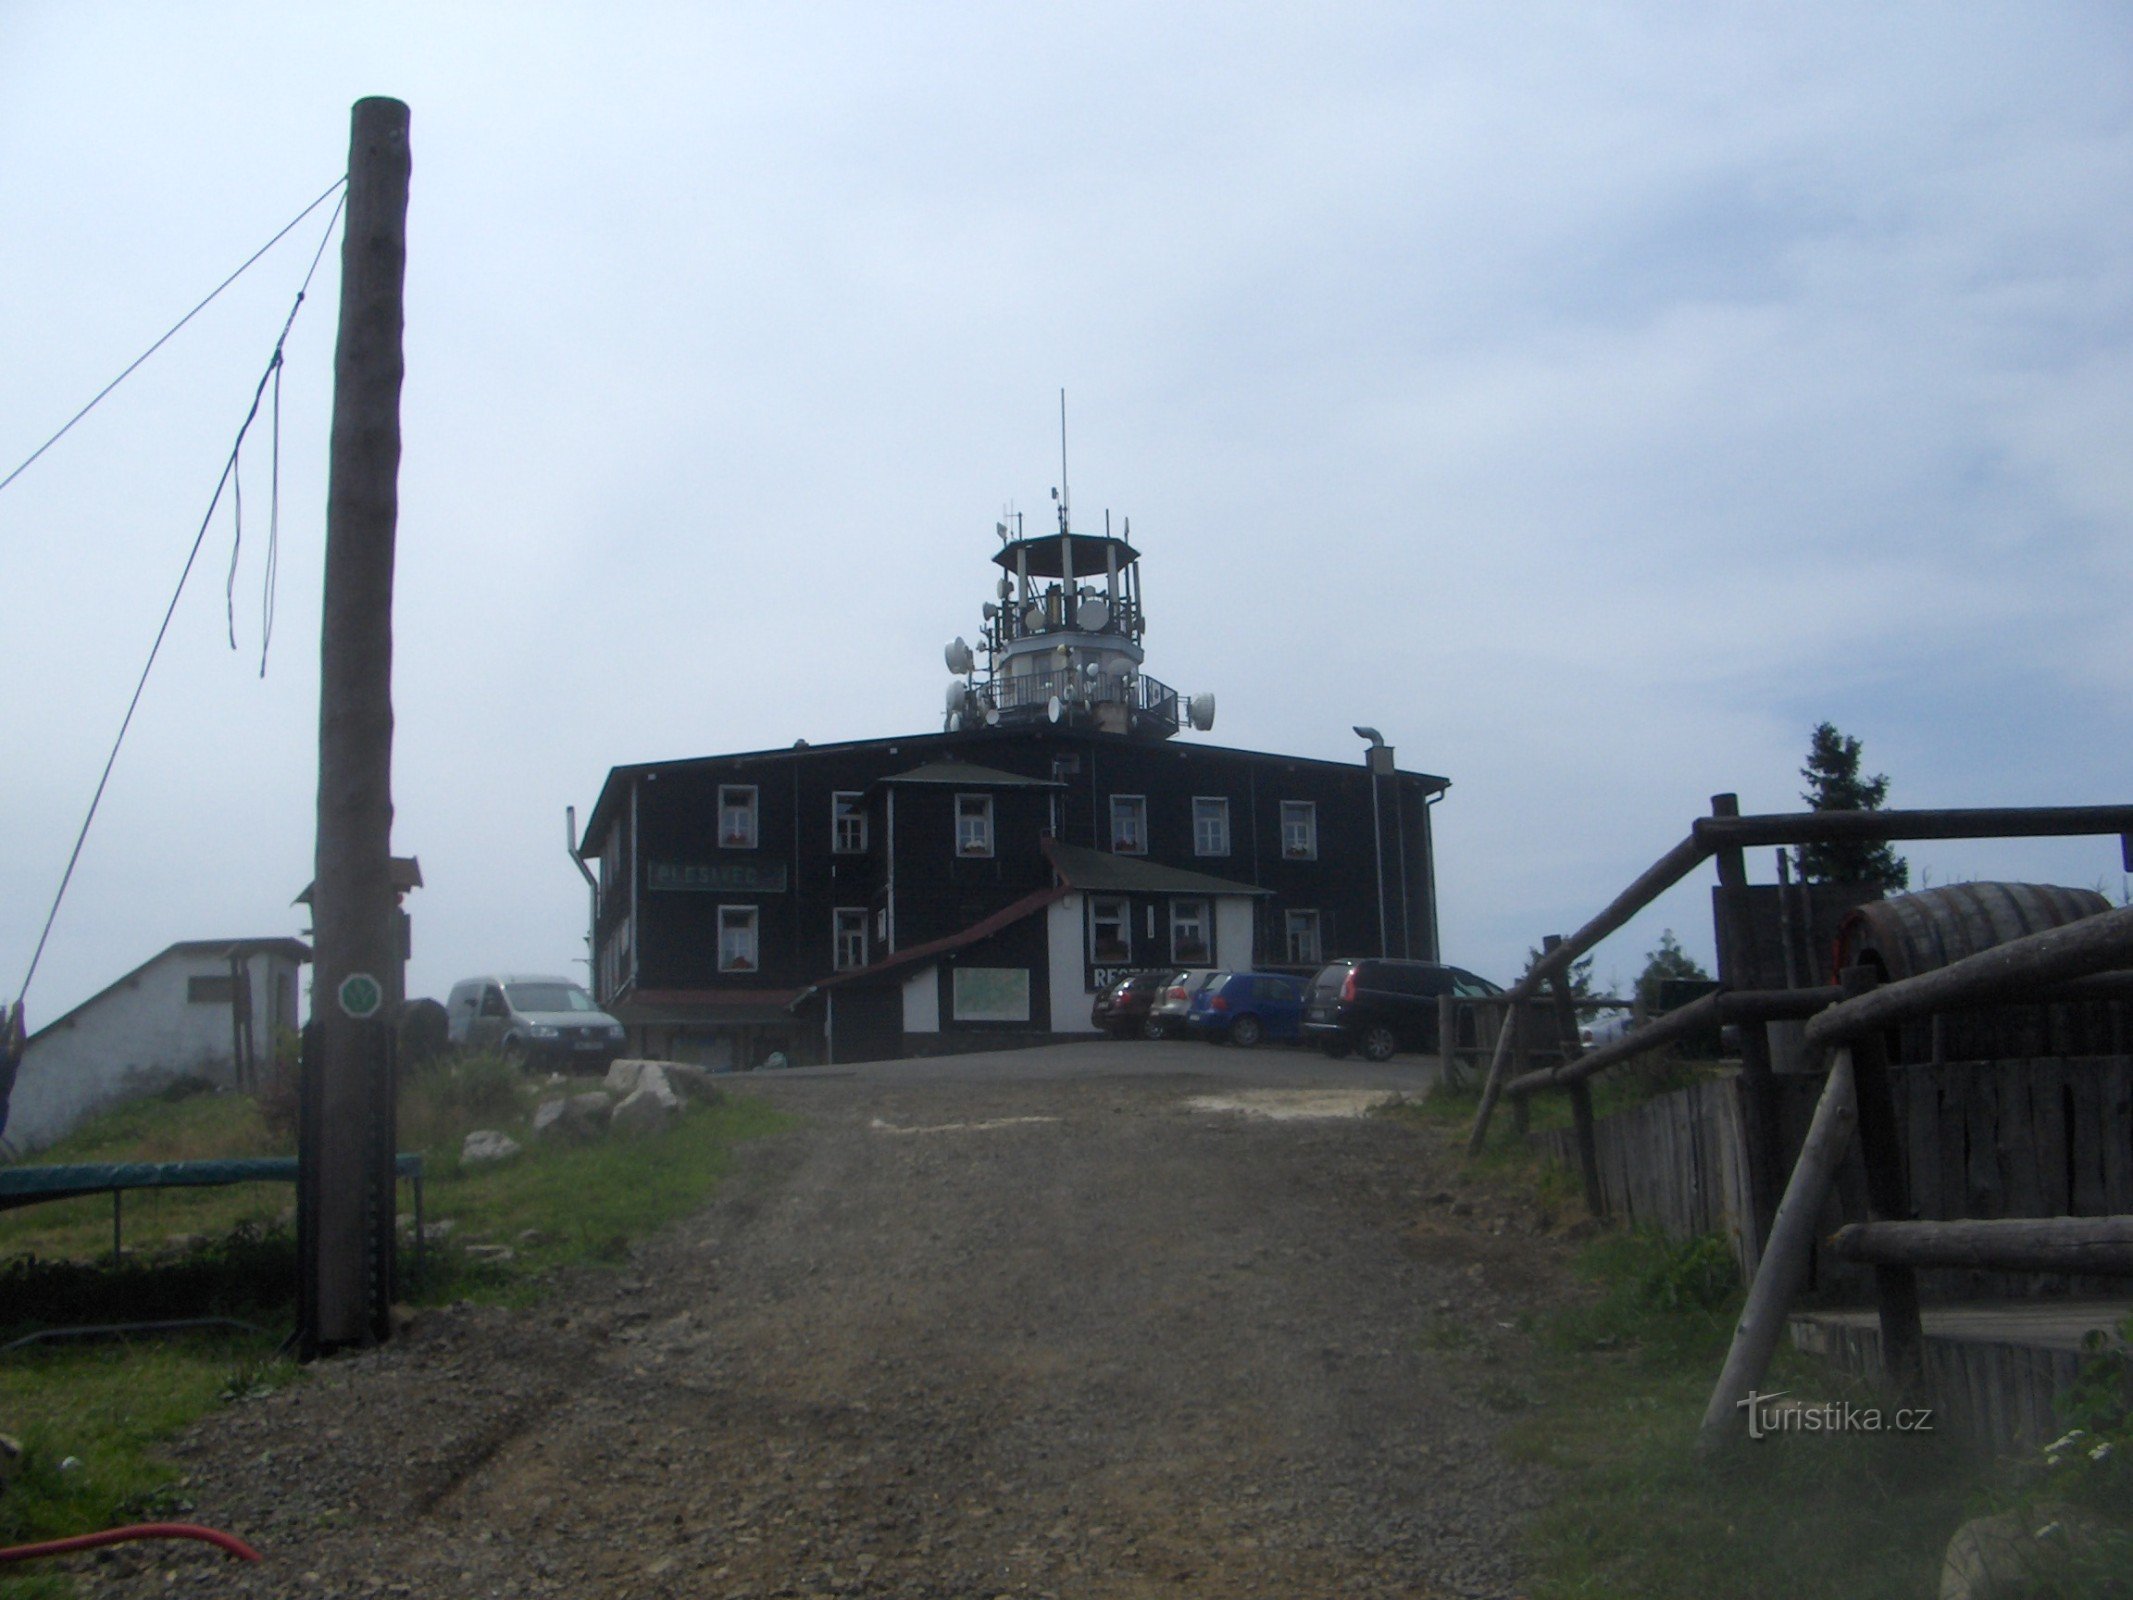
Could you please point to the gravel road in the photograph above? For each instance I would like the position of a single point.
(1082, 1321)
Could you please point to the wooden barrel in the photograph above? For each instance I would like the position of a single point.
(1912, 933)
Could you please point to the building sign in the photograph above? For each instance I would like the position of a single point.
(724, 877)
(1102, 978)
(991, 994)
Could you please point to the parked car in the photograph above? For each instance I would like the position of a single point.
(535, 1021)
(1241, 1008)
(1605, 1027)
(1166, 1019)
(1122, 1009)
(1379, 1006)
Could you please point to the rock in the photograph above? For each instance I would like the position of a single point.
(488, 1252)
(2000, 1557)
(626, 1076)
(648, 1110)
(10, 1457)
(485, 1145)
(695, 1082)
(577, 1119)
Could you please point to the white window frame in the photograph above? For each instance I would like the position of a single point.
(746, 921)
(1300, 937)
(1299, 830)
(973, 826)
(742, 833)
(1210, 826)
(848, 823)
(1184, 913)
(1114, 909)
(1134, 806)
(848, 938)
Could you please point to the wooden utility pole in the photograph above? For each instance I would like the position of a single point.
(345, 1153)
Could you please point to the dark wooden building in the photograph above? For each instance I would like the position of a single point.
(975, 887)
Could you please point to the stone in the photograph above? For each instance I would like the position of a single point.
(2000, 1557)
(485, 1145)
(572, 1119)
(648, 1110)
(695, 1083)
(488, 1252)
(626, 1075)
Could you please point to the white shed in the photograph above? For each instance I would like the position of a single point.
(204, 1008)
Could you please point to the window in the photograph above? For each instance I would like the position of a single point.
(1302, 928)
(736, 816)
(848, 823)
(851, 926)
(736, 939)
(1299, 830)
(1210, 825)
(973, 824)
(213, 990)
(1191, 939)
(1129, 824)
(1110, 930)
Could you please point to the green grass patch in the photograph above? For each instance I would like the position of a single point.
(108, 1407)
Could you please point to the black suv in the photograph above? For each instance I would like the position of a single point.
(1380, 1006)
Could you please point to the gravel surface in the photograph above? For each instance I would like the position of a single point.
(1083, 1321)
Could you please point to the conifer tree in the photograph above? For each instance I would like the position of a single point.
(1834, 784)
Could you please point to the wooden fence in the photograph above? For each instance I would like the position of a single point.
(1979, 1139)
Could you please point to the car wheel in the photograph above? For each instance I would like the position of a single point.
(1244, 1032)
(1151, 1029)
(1379, 1043)
(515, 1053)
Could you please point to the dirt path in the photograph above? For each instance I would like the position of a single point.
(1031, 1325)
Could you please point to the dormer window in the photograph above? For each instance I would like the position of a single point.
(973, 824)
(736, 816)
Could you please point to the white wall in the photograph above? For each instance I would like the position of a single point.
(1071, 997)
(1233, 932)
(136, 1038)
(922, 1000)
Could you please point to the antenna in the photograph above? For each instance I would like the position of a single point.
(1063, 527)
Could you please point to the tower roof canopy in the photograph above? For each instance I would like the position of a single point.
(1046, 554)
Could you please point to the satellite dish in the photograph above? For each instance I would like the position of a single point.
(958, 656)
(1089, 670)
(1033, 616)
(992, 716)
(1201, 710)
(1117, 666)
(1051, 709)
(954, 697)
(1003, 589)
(955, 722)
(1093, 615)
(991, 611)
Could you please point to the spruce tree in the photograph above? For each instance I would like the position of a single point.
(1834, 784)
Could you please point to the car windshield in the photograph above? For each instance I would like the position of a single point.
(531, 997)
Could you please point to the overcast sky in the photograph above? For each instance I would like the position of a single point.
(1593, 398)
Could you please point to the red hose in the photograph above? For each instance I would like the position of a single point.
(228, 1543)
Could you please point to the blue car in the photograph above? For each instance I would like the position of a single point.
(1245, 1007)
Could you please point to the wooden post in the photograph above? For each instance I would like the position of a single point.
(1758, 1086)
(1887, 1200)
(1783, 1266)
(345, 1191)
(1581, 1123)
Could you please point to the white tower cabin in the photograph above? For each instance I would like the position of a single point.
(1062, 642)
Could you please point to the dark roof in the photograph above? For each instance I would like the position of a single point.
(1045, 559)
(1007, 914)
(613, 790)
(407, 874)
(294, 949)
(1100, 870)
(968, 775)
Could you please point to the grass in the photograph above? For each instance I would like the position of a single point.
(1610, 1409)
(110, 1407)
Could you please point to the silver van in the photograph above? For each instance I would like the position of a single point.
(534, 1021)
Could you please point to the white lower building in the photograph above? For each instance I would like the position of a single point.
(204, 1008)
